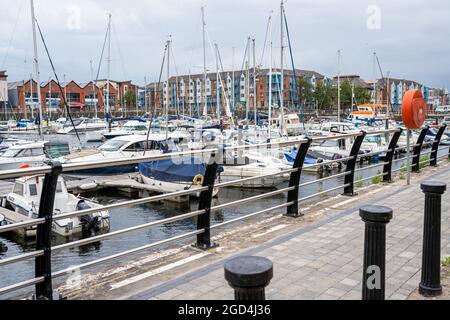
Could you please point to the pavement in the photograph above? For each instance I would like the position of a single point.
(315, 258)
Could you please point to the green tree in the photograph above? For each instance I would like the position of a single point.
(306, 92)
(323, 95)
(129, 99)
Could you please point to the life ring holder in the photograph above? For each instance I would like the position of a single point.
(198, 180)
(414, 109)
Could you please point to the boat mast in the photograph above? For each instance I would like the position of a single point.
(108, 108)
(93, 90)
(234, 83)
(247, 94)
(205, 106)
(218, 84)
(374, 78)
(254, 83)
(168, 89)
(36, 68)
(339, 85)
(270, 78)
(282, 65)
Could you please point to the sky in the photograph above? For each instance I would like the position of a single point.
(411, 37)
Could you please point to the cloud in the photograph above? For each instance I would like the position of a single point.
(412, 41)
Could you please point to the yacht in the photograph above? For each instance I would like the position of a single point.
(120, 148)
(172, 175)
(25, 197)
(252, 165)
(82, 125)
(129, 128)
(32, 154)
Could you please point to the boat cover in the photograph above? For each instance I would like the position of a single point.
(174, 170)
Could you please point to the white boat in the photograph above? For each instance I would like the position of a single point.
(129, 128)
(120, 148)
(31, 154)
(332, 128)
(82, 125)
(292, 124)
(26, 195)
(257, 165)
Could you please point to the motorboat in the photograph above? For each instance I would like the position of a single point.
(253, 165)
(292, 124)
(369, 113)
(177, 174)
(82, 125)
(125, 147)
(32, 154)
(331, 128)
(129, 128)
(25, 198)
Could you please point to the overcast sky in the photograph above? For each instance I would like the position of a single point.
(411, 37)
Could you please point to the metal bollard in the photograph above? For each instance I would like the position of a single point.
(374, 275)
(249, 276)
(430, 284)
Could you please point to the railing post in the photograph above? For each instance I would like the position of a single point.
(430, 284)
(43, 264)
(389, 158)
(249, 276)
(418, 149)
(374, 274)
(351, 165)
(436, 143)
(293, 210)
(204, 220)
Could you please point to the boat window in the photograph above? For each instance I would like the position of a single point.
(18, 189)
(37, 152)
(33, 190)
(334, 129)
(11, 153)
(330, 143)
(112, 145)
(139, 146)
(25, 153)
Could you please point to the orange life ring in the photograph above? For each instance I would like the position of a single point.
(414, 109)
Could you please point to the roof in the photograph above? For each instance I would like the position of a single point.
(29, 146)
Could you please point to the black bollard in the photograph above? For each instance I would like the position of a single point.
(374, 274)
(430, 285)
(249, 276)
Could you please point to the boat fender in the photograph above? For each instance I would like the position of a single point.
(198, 180)
(3, 248)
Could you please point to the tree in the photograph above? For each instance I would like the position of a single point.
(323, 95)
(129, 99)
(306, 92)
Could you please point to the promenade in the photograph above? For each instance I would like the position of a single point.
(318, 256)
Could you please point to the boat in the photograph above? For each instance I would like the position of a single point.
(369, 113)
(172, 175)
(129, 128)
(25, 197)
(120, 148)
(292, 124)
(32, 154)
(82, 125)
(255, 165)
(326, 129)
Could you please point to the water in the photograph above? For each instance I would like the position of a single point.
(129, 217)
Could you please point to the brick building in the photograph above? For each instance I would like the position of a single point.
(80, 97)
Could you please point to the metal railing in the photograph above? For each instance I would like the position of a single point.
(44, 249)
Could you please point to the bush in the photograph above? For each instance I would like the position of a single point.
(377, 179)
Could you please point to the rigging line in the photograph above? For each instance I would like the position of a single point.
(12, 35)
(101, 56)
(245, 55)
(156, 92)
(265, 40)
(125, 73)
(294, 70)
(57, 81)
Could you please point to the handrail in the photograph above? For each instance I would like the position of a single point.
(205, 200)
